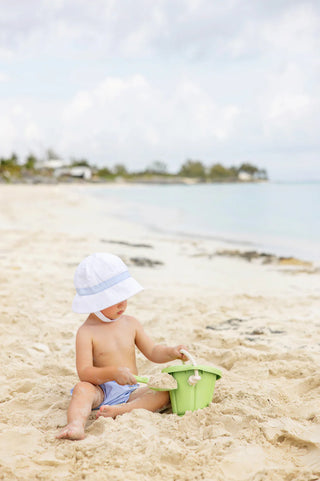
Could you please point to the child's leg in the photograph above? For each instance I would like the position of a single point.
(141, 398)
(85, 396)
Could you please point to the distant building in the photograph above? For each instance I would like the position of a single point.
(79, 172)
(245, 177)
(61, 167)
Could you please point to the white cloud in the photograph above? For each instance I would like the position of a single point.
(32, 132)
(295, 32)
(6, 53)
(163, 27)
(17, 110)
(168, 79)
(287, 107)
(130, 120)
(289, 110)
(7, 135)
(4, 77)
(79, 105)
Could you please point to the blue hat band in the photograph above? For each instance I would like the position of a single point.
(89, 291)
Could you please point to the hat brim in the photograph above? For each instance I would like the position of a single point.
(109, 297)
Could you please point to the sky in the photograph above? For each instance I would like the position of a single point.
(136, 81)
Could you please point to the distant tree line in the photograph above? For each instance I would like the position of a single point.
(12, 168)
(217, 171)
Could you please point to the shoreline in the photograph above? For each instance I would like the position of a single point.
(259, 247)
(237, 248)
(258, 323)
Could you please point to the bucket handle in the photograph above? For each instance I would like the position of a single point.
(195, 378)
(188, 355)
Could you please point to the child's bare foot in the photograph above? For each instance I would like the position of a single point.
(74, 431)
(112, 411)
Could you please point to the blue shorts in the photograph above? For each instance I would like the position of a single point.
(115, 393)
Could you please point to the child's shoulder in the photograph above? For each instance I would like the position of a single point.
(130, 319)
(84, 327)
(133, 322)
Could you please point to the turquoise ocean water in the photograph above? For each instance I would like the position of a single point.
(280, 218)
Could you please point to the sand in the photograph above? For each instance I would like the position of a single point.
(163, 381)
(259, 324)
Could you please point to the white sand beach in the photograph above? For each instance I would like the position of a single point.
(258, 323)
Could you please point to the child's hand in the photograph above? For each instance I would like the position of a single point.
(124, 376)
(177, 354)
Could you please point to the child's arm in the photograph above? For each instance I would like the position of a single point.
(157, 352)
(97, 375)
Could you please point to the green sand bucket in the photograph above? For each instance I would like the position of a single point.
(195, 386)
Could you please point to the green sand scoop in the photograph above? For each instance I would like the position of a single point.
(195, 385)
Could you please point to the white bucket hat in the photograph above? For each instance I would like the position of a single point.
(102, 280)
